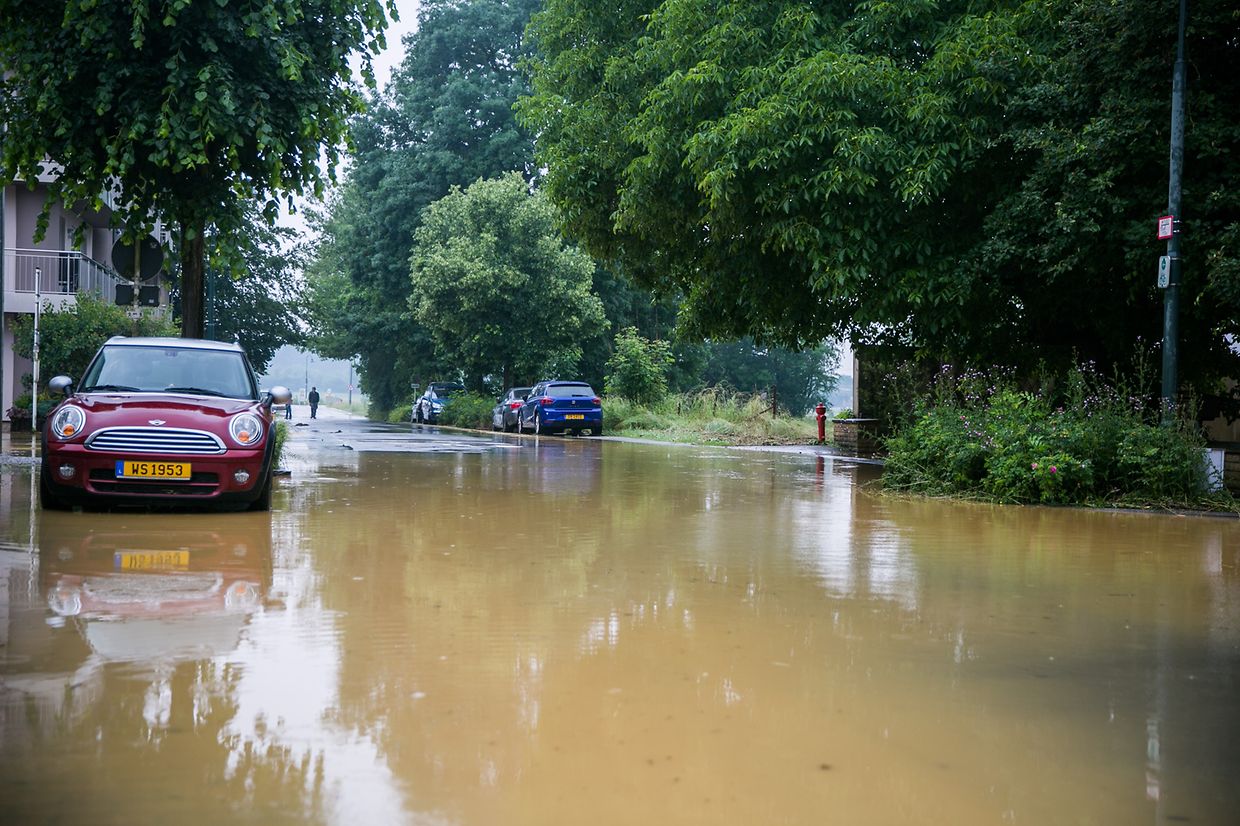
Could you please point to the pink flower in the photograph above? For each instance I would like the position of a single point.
(1053, 468)
(1034, 466)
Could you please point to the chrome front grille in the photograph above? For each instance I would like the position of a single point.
(155, 440)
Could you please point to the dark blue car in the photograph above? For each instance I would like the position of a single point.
(562, 407)
(426, 410)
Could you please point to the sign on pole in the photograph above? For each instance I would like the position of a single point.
(1166, 227)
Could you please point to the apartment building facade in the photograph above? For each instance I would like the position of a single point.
(54, 270)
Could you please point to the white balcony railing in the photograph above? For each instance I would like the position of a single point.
(61, 272)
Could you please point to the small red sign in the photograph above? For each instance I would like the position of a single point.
(1166, 227)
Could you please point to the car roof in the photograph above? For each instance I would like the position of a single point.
(183, 343)
(567, 383)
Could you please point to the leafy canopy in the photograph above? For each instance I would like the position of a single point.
(257, 302)
(189, 108)
(493, 283)
(774, 160)
(951, 176)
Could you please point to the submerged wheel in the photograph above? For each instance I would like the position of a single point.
(48, 500)
(263, 502)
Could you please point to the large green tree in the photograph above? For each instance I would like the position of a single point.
(254, 294)
(968, 178)
(191, 109)
(445, 119)
(502, 297)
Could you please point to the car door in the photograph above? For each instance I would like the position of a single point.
(527, 409)
(502, 411)
(518, 396)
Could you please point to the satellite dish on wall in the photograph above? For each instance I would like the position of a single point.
(151, 261)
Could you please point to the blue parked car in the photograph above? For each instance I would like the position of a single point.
(562, 407)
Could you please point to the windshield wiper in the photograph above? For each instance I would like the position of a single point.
(124, 387)
(201, 391)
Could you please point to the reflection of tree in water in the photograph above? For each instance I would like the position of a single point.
(1087, 615)
(161, 730)
(501, 582)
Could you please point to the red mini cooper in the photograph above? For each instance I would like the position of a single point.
(161, 421)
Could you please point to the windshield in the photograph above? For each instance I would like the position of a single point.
(568, 391)
(446, 389)
(171, 369)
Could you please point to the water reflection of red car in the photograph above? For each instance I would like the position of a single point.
(159, 421)
(154, 595)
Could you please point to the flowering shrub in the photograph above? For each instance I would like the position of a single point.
(1088, 442)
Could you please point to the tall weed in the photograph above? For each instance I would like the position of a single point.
(1079, 440)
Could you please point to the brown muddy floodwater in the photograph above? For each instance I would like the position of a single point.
(575, 632)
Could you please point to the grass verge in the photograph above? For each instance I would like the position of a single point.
(708, 417)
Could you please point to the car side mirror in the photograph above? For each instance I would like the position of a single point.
(278, 394)
(61, 384)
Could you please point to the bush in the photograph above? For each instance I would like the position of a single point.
(1158, 462)
(69, 336)
(978, 436)
(468, 410)
(277, 456)
(399, 413)
(615, 411)
(637, 370)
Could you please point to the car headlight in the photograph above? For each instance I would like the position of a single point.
(436, 406)
(65, 600)
(246, 429)
(69, 421)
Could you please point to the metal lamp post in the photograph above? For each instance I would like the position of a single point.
(38, 308)
(1169, 269)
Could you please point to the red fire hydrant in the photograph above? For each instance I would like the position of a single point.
(821, 410)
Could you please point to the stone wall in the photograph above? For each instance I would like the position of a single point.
(856, 436)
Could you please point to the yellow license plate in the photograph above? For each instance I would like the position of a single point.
(147, 560)
(574, 415)
(130, 469)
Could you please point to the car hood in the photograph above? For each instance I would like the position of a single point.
(174, 410)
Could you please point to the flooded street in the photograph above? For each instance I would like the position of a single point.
(440, 629)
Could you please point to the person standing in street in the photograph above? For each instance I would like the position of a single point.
(313, 398)
(288, 410)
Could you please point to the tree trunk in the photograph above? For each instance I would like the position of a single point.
(192, 265)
